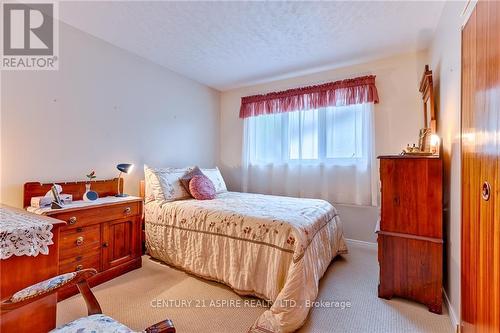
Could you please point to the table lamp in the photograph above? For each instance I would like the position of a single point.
(123, 168)
(435, 144)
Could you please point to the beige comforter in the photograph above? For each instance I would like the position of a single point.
(275, 248)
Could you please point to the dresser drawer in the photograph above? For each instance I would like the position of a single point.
(79, 240)
(93, 215)
(88, 260)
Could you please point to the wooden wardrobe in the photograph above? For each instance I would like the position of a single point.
(480, 263)
(410, 239)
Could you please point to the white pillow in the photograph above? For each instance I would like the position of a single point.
(215, 176)
(152, 189)
(163, 184)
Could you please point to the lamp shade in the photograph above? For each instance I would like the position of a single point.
(125, 167)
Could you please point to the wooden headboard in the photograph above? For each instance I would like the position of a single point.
(105, 188)
(142, 189)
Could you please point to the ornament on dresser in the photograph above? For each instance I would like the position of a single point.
(90, 195)
(56, 202)
(54, 198)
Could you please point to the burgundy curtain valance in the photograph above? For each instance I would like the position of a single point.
(345, 92)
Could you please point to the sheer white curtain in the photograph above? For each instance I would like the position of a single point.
(326, 153)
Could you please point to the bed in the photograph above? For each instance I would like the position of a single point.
(275, 248)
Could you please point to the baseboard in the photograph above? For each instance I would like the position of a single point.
(453, 316)
(366, 244)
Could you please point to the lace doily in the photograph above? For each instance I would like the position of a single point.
(23, 234)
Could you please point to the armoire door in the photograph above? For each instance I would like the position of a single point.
(480, 169)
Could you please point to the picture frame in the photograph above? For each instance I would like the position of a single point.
(424, 141)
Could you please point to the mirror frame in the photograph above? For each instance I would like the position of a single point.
(427, 90)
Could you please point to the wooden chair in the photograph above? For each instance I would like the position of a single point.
(95, 321)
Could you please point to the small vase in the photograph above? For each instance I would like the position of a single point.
(90, 195)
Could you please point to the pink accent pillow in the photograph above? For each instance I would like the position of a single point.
(201, 188)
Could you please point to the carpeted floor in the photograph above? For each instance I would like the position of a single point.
(142, 297)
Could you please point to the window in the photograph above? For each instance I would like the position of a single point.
(325, 135)
(312, 142)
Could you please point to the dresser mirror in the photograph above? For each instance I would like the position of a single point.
(427, 91)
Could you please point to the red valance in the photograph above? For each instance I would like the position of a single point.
(345, 92)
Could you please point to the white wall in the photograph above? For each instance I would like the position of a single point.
(445, 56)
(103, 106)
(398, 118)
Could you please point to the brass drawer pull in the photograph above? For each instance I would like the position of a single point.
(72, 220)
(127, 210)
(79, 268)
(105, 244)
(486, 191)
(79, 241)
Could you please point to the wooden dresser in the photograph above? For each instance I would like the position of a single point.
(410, 239)
(105, 235)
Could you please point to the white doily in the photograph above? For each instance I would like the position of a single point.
(23, 234)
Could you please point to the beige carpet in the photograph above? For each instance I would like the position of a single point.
(354, 278)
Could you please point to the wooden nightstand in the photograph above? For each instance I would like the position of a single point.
(105, 234)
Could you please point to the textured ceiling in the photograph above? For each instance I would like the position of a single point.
(230, 44)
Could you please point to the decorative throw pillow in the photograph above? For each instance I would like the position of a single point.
(188, 176)
(152, 188)
(215, 176)
(201, 188)
(164, 184)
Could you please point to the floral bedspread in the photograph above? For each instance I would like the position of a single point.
(276, 248)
